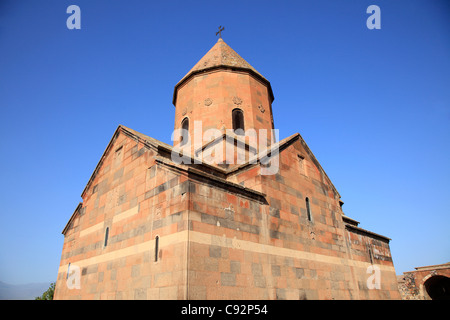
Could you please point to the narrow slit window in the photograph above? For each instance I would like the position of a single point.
(156, 248)
(106, 236)
(301, 162)
(308, 208)
(370, 256)
(238, 121)
(185, 131)
(118, 156)
(68, 271)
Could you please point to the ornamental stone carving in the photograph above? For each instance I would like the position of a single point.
(237, 101)
(208, 102)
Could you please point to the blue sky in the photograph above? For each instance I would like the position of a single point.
(373, 105)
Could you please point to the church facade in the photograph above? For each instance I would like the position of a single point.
(227, 212)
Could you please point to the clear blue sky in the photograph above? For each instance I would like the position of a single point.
(373, 105)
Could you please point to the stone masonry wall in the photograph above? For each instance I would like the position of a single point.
(138, 201)
(242, 247)
(413, 284)
(217, 238)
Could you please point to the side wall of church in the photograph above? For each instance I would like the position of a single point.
(137, 201)
(372, 265)
(241, 247)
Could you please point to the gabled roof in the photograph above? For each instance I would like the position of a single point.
(165, 148)
(146, 140)
(283, 144)
(158, 145)
(270, 151)
(221, 56)
(149, 141)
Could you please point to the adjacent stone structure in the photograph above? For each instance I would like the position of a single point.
(426, 283)
(267, 225)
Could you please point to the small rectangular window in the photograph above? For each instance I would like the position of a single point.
(156, 248)
(308, 209)
(238, 121)
(184, 132)
(106, 236)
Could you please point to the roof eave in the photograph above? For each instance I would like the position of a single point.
(191, 74)
(72, 217)
(373, 234)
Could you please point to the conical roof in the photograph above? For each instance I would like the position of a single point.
(221, 56)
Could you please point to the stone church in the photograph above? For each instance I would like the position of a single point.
(227, 212)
